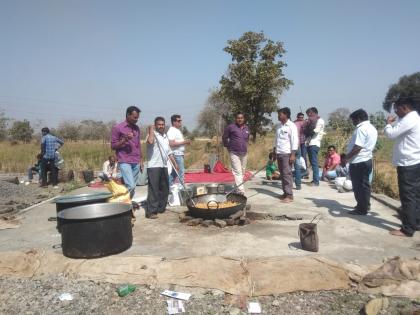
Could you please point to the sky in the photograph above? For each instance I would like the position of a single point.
(84, 59)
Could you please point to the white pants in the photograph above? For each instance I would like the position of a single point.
(238, 163)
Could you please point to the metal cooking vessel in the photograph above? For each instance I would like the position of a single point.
(213, 212)
(215, 188)
(65, 202)
(96, 230)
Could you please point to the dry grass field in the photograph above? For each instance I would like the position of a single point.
(82, 155)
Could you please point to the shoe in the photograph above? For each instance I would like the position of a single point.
(55, 187)
(288, 199)
(298, 187)
(399, 233)
(313, 184)
(357, 212)
(152, 216)
(356, 207)
(283, 196)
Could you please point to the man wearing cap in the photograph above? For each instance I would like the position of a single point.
(125, 140)
(405, 131)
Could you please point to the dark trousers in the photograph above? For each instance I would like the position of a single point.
(409, 187)
(157, 190)
(285, 174)
(48, 165)
(359, 174)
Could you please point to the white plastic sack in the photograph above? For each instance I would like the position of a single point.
(174, 199)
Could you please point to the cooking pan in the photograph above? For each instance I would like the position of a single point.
(96, 230)
(213, 201)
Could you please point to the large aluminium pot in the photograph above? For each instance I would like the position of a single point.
(72, 201)
(65, 202)
(96, 230)
(213, 211)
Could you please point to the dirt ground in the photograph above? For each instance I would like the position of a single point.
(15, 197)
(25, 296)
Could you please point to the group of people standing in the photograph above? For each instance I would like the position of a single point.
(295, 139)
(163, 149)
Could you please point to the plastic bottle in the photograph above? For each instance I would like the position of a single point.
(125, 289)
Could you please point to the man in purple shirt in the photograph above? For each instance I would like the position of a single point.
(235, 139)
(125, 140)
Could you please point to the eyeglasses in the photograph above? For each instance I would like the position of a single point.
(178, 120)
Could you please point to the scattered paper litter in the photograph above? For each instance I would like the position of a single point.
(65, 297)
(175, 306)
(177, 295)
(254, 308)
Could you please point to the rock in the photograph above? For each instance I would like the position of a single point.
(230, 222)
(184, 218)
(276, 303)
(194, 222)
(220, 223)
(374, 306)
(207, 223)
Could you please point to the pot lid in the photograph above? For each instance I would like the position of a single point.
(83, 197)
(94, 211)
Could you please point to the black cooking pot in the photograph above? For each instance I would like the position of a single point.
(212, 201)
(96, 230)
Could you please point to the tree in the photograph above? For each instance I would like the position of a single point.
(214, 115)
(21, 131)
(3, 126)
(407, 86)
(339, 121)
(93, 130)
(68, 130)
(378, 120)
(254, 80)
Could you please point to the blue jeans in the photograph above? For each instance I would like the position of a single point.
(329, 175)
(304, 153)
(313, 159)
(130, 174)
(181, 170)
(298, 169)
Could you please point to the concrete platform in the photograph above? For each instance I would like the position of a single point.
(343, 237)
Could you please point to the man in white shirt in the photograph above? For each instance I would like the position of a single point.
(359, 155)
(158, 153)
(110, 167)
(406, 157)
(314, 131)
(177, 143)
(286, 142)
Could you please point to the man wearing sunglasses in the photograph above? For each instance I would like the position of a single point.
(177, 143)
